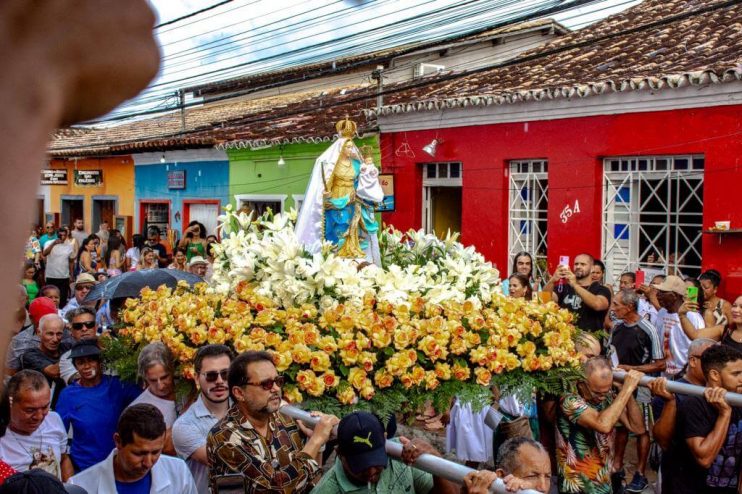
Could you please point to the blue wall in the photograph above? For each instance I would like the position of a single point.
(151, 184)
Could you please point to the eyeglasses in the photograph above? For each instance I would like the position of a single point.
(269, 383)
(212, 376)
(80, 288)
(86, 324)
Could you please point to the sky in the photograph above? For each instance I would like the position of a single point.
(243, 37)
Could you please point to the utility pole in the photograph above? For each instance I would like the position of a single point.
(377, 76)
(181, 95)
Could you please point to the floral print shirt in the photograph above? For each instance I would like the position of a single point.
(584, 456)
(270, 465)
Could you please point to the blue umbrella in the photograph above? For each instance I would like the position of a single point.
(131, 283)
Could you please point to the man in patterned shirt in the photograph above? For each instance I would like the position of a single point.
(254, 440)
(585, 428)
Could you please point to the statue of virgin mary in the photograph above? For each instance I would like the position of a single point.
(340, 200)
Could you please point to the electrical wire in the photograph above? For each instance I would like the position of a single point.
(192, 14)
(364, 45)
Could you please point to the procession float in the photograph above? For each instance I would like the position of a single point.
(357, 316)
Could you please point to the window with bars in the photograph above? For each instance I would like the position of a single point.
(529, 191)
(652, 214)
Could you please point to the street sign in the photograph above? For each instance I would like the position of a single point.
(176, 179)
(88, 178)
(54, 177)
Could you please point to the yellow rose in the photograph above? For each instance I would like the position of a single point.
(383, 378)
(443, 371)
(282, 360)
(292, 394)
(330, 379)
(316, 387)
(327, 344)
(526, 348)
(356, 377)
(347, 396)
(461, 372)
(301, 354)
(431, 380)
(367, 392)
(273, 340)
(367, 361)
(304, 378)
(483, 376)
(319, 362)
(430, 347)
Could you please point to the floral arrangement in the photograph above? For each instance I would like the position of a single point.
(429, 325)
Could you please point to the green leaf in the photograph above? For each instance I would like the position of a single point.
(344, 371)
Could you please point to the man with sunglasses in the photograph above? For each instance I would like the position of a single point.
(82, 325)
(211, 366)
(82, 286)
(253, 439)
(585, 423)
(92, 404)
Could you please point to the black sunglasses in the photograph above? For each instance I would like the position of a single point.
(212, 376)
(80, 325)
(269, 383)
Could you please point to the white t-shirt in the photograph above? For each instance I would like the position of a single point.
(676, 343)
(43, 449)
(166, 407)
(58, 261)
(133, 256)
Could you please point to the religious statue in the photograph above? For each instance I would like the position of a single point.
(340, 200)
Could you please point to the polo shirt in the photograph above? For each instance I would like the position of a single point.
(189, 433)
(397, 478)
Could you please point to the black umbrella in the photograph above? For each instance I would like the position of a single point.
(131, 283)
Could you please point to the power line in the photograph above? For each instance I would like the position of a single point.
(363, 44)
(192, 14)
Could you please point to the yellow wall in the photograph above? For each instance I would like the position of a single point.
(118, 182)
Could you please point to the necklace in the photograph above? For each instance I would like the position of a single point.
(29, 453)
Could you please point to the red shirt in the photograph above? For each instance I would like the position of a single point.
(5, 471)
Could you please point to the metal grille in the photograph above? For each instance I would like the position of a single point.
(529, 191)
(652, 214)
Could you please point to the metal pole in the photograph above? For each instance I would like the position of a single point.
(435, 465)
(734, 399)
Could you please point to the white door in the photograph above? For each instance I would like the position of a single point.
(206, 214)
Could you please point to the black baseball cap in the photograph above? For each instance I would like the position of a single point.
(361, 441)
(87, 347)
(37, 482)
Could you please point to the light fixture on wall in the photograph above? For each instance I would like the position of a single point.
(281, 161)
(432, 147)
(162, 158)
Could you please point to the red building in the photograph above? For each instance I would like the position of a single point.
(623, 140)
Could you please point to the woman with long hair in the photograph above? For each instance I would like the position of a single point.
(523, 264)
(194, 240)
(30, 280)
(715, 309)
(180, 260)
(86, 258)
(132, 255)
(114, 260)
(520, 286)
(147, 259)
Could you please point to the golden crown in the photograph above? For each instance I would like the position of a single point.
(346, 128)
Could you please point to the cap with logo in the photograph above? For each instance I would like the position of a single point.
(362, 442)
(673, 284)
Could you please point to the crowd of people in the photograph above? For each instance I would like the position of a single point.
(65, 414)
(672, 329)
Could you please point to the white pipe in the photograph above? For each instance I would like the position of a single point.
(435, 465)
(734, 399)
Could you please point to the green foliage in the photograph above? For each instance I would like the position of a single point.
(120, 354)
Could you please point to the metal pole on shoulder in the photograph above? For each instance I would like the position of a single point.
(435, 465)
(734, 399)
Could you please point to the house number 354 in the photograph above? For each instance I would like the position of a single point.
(568, 211)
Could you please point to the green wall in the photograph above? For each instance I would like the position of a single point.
(257, 173)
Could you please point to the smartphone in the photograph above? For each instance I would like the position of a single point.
(640, 277)
(564, 261)
(693, 294)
